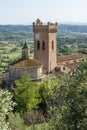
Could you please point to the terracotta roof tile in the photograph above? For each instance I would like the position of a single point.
(69, 57)
(26, 63)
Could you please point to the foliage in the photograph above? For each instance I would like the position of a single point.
(31, 95)
(26, 94)
(73, 113)
(16, 122)
(43, 126)
(6, 106)
(48, 87)
(55, 123)
(33, 117)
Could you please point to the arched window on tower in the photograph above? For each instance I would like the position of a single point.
(52, 45)
(43, 45)
(38, 45)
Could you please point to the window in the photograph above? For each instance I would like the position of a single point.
(52, 45)
(38, 45)
(43, 45)
(64, 68)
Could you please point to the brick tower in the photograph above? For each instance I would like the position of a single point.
(45, 44)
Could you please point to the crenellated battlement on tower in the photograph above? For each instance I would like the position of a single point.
(40, 27)
(45, 44)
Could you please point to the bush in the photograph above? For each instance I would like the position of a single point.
(33, 117)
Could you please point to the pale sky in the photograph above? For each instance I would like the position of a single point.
(27, 11)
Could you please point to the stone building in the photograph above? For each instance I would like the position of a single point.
(70, 59)
(45, 49)
(25, 65)
(45, 59)
(68, 63)
(45, 44)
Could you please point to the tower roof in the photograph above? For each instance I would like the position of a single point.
(25, 46)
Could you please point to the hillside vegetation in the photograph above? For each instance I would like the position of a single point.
(70, 39)
(52, 104)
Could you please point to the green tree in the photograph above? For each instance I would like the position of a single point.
(16, 122)
(26, 94)
(6, 106)
(47, 89)
(73, 113)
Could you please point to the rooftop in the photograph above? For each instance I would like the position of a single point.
(25, 46)
(69, 57)
(26, 63)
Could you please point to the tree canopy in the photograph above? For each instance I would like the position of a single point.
(73, 113)
(6, 106)
(26, 94)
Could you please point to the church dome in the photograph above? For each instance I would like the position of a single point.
(26, 63)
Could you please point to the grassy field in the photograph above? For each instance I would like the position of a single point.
(8, 54)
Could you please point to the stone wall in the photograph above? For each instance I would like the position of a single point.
(34, 72)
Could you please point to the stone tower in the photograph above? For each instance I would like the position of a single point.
(25, 51)
(45, 44)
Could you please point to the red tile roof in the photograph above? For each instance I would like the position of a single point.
(26, 63)
(69, 57)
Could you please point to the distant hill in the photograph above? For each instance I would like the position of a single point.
(72, 28)
(16, 28)
(67, 28)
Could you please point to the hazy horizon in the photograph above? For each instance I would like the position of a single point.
(27, 11)
(59, 23)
